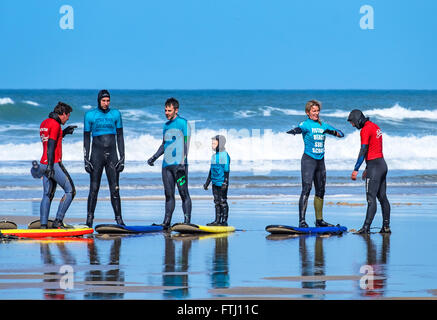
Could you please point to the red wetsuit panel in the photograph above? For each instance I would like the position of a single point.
(51, 129)
(372, 136)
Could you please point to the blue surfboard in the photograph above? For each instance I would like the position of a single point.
(120, 229)
(282, 229)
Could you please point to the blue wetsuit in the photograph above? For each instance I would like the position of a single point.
(313, 163)
(219, 176)
(313, 134)
(175, 144)
(220, 162)
(100, 123)
(106, 128)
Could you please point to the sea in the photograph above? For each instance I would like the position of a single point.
(265, 160)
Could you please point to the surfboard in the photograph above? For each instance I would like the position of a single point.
(120, 229)
(196, 228)
(282, 229)
(5, 224)
(45, 233)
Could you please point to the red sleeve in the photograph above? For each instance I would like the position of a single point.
(365, 136)
(54, 130)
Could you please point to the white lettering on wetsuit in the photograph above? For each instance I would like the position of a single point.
(319, 139)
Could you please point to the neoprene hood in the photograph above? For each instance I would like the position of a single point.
(221, 142)
(102, 94)
(357, 118)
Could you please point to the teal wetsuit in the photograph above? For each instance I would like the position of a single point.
(176, 135)
(219, 176)
(313, 165)
(174, 147)
(220, 162)
(313, 134)
(100, 123)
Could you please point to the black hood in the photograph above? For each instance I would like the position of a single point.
(221, 142)
(103, 94)
(54, 115)
(357, 118)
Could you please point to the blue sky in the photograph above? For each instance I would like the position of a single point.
(211, 44)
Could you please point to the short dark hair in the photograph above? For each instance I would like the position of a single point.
(173, 102)
(62, 108)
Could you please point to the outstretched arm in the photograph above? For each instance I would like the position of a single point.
(335, 132)
(68, 130)
(294, 131)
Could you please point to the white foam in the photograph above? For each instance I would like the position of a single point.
(245, 114)
(135, 114)
(87, 107)
(6, 101)
(32, 103)
(267, 111)
(397, 113)
(254, 150)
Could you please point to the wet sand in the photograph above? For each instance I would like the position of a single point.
(248, 264)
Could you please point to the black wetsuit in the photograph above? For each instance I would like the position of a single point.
(376, 169)
(107, 130)
(376, 187)
(313, 166)
(312, 170)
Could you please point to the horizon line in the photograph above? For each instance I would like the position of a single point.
(224, 89)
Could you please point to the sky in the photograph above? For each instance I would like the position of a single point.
(212, 44)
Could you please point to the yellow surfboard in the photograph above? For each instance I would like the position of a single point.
(196, 228)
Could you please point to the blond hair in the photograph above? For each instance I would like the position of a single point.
(311, 104)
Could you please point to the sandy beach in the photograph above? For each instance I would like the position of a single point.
(247, 264)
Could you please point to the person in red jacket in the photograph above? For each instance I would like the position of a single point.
(376, 170)
(51, 167)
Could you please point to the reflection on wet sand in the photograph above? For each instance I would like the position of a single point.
(312, 266)
(220, 263)
(372, 280)
(175, 271)
(176, 267)
(112, 277)
(55, 291)
(376, 272)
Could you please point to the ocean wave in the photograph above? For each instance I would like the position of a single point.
(32, 103)
(6, 101)
(267, 111)
(245, 113)
(397, 113)
(255, 150)
(136, 114)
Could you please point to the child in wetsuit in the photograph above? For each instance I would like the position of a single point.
(219, 175)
